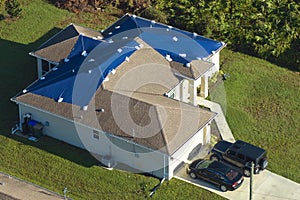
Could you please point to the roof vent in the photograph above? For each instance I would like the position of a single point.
(60, 99)
(183, 55)
(54, 68)
(213, 52)
(84, 53)
(134, 16)
(137, 47)
(168, 58)
(90, 71)
(117, 27)
(195, 34)
(110, 41)
(120, 50)
(125, 38)
(113, 71)
(110, 33)
(170, 27)
(100, 110)
(24, 91)
(141, 45)
(153, 22)
(99, 37)
(85, 108)
(223, 43)
(198, 58)
(91, 60)
(127, 59)
(73, 70)
(106, 79)
(42, 78)
(102, 31)
(94, 38)
(175, 38)
(188, 64)
(66, 60)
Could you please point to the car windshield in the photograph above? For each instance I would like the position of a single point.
(231, 174)
(204, 164)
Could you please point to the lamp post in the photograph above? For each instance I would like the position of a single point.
(251, 180)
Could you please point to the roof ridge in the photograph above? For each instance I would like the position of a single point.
(55, 35)
(162, 132)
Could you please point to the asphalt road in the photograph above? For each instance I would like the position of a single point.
(12, 188)
(266, 186)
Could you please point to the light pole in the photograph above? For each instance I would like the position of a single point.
(251, 180)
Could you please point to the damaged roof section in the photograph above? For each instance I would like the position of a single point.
(60, 46)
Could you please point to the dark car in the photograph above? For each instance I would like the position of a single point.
(241, 154)
(216, 173)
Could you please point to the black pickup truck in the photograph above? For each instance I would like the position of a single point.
(241, 154)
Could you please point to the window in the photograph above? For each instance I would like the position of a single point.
(96, 134)
(231, 153)
(240, 156)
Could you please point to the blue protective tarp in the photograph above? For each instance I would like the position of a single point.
(77, 81)
(161, 38)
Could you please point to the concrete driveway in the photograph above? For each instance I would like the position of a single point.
(266, 185)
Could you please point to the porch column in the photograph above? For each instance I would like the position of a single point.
(193, 92)
(206, 134)
(204, 86)
(39, 67)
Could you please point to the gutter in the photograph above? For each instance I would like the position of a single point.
(42, 58)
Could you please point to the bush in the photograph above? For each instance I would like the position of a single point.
(12, 7)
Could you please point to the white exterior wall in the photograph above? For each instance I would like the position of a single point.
(182, 154)
(121, 151)
(215, 59)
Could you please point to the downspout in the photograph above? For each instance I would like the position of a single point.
(161, 181)
(156, 187)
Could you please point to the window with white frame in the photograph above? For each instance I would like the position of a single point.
(96, 134)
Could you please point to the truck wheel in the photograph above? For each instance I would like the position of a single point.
(223, 188)
(215, 157)
(247, 172)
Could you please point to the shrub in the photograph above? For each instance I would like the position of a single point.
(12, 7)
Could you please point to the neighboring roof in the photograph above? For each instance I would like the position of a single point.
(61, 44)
(127, 71)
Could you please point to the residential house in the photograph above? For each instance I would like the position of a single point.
(126, 94)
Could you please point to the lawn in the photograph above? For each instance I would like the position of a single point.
(260, 100)
(51, 163)
(262, 106)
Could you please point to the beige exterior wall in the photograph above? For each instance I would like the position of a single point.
(121, 151)
(58, 128)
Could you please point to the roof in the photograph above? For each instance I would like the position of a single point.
(127, 73)
(61, 44)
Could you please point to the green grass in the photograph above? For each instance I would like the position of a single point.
(51, 163)
(262, 107)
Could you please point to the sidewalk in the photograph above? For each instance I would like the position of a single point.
(221, 122)
(12, 188)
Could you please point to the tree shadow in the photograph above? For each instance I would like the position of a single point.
(17, 71)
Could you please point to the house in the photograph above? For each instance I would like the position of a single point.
(127, 94)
